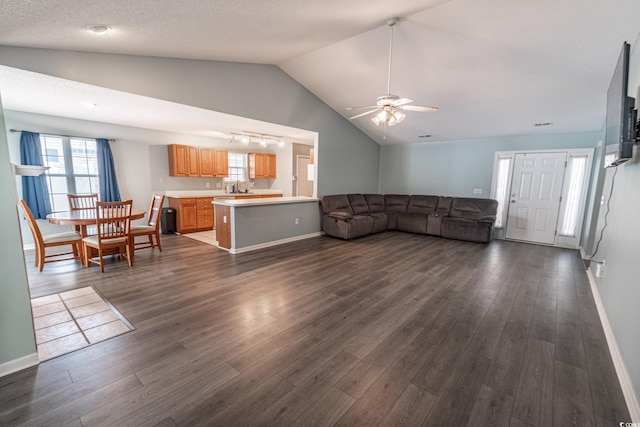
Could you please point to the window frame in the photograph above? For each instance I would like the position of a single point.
(70, 176)
(234, 177)
(560, 240)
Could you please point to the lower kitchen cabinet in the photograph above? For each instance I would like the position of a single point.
(193, 214)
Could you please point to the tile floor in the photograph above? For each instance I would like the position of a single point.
(208, 237)
(72, 320)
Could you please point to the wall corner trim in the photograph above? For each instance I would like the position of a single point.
(623, 375)
(19, 364)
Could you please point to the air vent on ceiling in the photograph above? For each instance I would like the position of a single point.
(543, 124)
(424, 136)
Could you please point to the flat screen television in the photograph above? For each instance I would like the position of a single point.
(621, 121)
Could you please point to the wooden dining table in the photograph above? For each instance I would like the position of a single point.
(84, 218)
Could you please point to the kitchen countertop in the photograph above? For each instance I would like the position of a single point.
(266, 201)
(215, 193)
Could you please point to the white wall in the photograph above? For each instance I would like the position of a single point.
(347, 160)
(619, 289)
(455, 168)
(17, 339)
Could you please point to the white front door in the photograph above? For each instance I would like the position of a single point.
(534, 201)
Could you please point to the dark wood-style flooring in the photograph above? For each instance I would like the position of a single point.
(391, 329)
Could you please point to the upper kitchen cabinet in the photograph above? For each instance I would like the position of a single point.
(207, 162)
(187, 160)
(222, 163)
(262, 165)
(183, 160)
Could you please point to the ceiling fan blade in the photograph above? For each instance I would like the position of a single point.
(363, 114)
(419, 108)
(401, 101)
(361, 107)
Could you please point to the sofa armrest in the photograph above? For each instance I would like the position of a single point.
(340, 215)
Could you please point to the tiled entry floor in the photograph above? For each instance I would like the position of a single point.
(74, 319)
(208, 237)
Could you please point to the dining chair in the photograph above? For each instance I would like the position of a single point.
(113, 221)
(81, 202)
(52, 240)
(151, 229)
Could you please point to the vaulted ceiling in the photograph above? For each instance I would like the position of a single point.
(492, 67)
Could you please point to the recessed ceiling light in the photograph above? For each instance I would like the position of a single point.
(99, 29)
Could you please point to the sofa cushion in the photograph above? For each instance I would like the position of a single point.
(358, 204)
(412, 223)
(360, 225)
(422, 204)
(396, 203)
(335, 203)
(477, 209)
(380, 221)
(444, 206)
(375, 202)
(466, 229)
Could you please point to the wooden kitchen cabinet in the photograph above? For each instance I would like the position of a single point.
(262, 165)
(222, 163)
(204, 215)
(270, 166)
(183, 160)
(193, 214)
(207, 162)
(187, 160)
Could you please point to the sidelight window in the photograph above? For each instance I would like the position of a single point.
(502, 189)
(575, 176)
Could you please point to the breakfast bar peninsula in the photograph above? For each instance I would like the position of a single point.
(248, 224)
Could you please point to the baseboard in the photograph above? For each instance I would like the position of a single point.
(19, 364)
(583, 255)
(623, 375)
(274, 243)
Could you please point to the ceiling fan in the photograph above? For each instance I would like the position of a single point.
(390, 107)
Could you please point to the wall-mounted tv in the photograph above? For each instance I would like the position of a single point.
(621, 116)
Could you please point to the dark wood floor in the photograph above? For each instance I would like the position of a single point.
(391, 329)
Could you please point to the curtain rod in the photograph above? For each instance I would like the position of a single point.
(68, 136)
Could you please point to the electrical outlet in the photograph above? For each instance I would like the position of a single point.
(208, 184)
(600, 269)
(161, 180)
(297, 221)
(218, 185)
(477, 191)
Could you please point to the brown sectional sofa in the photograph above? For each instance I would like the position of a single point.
(348, 216)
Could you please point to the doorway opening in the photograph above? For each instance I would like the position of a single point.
(541, 195)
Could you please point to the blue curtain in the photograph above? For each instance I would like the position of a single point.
(109, 191)
(34, 188)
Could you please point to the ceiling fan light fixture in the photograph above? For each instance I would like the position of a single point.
(396, 118)
(388, 108)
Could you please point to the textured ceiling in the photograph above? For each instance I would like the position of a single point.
(493, 67)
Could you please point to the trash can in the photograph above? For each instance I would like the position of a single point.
(168, 220)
